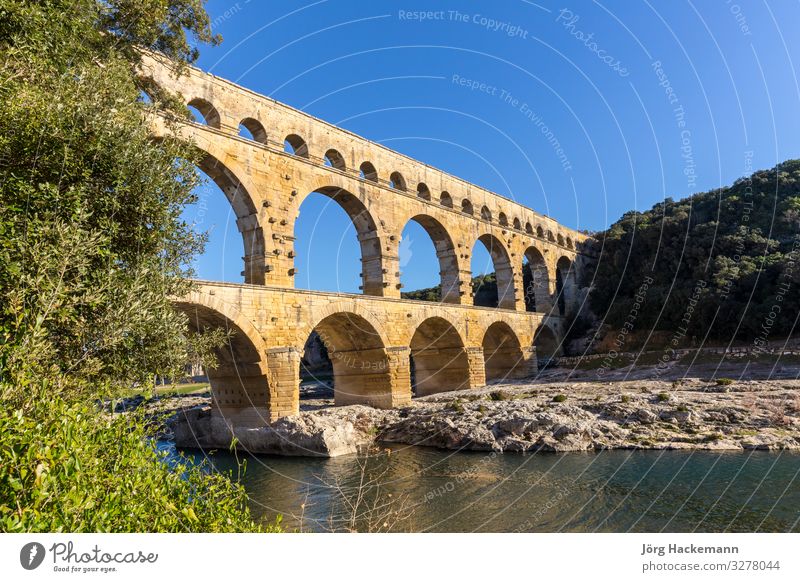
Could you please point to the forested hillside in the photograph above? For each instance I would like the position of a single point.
(722, 262)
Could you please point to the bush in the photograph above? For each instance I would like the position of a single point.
(69, 467)
(499, 395)
(724, 381)
(663, 396)
(560, 398)
(92, 249)
(625, 398)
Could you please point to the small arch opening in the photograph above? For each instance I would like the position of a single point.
(333, 159)
(446, 200)
(252, 129)
(368, 172)
(486, 214)
(204, 112)
(423, 191)
(502, 219)
(295, 145)
(397, 181)
(466, 207)
(528, 228)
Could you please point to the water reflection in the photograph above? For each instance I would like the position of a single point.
(422, 489)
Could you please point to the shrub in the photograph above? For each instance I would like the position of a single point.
(663, 396)
(560, 398)
(499, 395)
(67, 467)
(457, 406)
(625, 398)
(724, 381)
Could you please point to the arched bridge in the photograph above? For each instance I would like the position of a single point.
(376, 340)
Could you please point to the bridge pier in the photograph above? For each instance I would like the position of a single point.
(477, 369)
(240, 396)
(283, 365)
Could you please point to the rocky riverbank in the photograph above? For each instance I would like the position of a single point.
(526, 417)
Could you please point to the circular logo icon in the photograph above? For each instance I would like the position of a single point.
(31, 555)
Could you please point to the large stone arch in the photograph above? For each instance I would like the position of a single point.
(503, 354)
(504, 271)
(449, 269)
(240, 384)
(547, 344)
(566, 285)
(367, 369)
(244, 207)
(372, 276)
(439, 358)
(364, 370)
(536, 282)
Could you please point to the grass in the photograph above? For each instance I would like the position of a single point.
(167, 390)
(747, 432)
(499, 395)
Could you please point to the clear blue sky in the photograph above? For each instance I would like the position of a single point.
(646, 101)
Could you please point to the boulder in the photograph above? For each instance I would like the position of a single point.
(331, 433)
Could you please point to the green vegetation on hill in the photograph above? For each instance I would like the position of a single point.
(484, 288)
(723, 262)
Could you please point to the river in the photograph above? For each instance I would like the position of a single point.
(422, 489)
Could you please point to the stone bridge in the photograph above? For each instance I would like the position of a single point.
(377, 341)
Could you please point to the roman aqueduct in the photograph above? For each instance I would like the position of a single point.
(374, 339)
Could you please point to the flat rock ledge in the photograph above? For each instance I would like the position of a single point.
(693, 414)
(327, 433)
